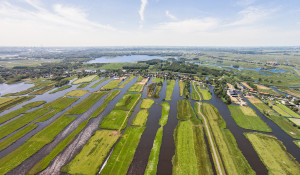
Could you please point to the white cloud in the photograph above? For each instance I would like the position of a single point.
(142, 9)
(168, 14)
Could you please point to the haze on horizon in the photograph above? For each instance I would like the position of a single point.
(149, 23)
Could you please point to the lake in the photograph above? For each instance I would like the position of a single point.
(12, 88)
(124, 59)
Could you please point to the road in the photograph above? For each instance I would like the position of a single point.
(208, 133)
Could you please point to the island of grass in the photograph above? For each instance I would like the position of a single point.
(184, 110)
(297, 142)
(194, 94)
(147, 103)
(138, 86)
(128, 101)
(246, 118)
(42, 90)
(282, 122)
(84, 79)
(205, 93)
(288, 111)
(273, 154)
(123, 152)
(99, 82)
(181, 86)
(165, 113)
(83, 85)
(19, 93)
(61, 89)
(112, 84)
(77, 93)
(231, 157)
(45, 162)
(9, 102)
(170, 88)
(93, 154)
(129, 79)
(140, 118)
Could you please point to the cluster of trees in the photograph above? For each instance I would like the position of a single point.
(220, 91)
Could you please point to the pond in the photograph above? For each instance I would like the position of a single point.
(124, 59)
(12, 88)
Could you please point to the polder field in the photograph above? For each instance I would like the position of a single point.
(143, 123)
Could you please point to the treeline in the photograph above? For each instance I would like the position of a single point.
(220, 91)
(136, 66)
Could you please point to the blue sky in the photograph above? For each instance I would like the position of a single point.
(149, 23)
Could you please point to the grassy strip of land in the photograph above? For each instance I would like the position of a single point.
(83, 85)
(87, 103)
(22, 121)
(111, 85)
(273, 154)
(184, 110)
(114, 120)
(280, 111)
(170, 88)
(151, 89)
(45, 162)
(136, 87)
(15, 101)
(191, 155)
(147, 103)
(288, 110)
(157, 91)
(77, 93)
(141, 118)
(194, 94)
(19, 93)
(84, 79)
(154, 154)
(139, 79)
(93, 154)
(126, 81)
(61, 89)
(127, 101)
(282, 122)
(246, 118)
(123, 152)
(20, 111)
(165, 113)
(181, 86)
(99, 82)
(6, 99)
(297, 142)
(232, 158)
(42, 90)
(205, 93)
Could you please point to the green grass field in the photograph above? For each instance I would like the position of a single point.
(282, 122)
(140, 118)
(19, 93)
(114, 120)
(154, 154)
(147, 103)
(288, 110)
(194, 94)
(99, 82)
(280, 111)
(13, 102)
(275, 157)
(295, 120)
(42, 90)
(129, 79)
(6, 99)
(77, 93)
(157, 91)
(184, 110)
(93, 154)
(232, 158)
(87, 103)
(123, 152)
(246, 118)
(170, 88)
(61, 89)
(181, 86)
(205, 93)
(83, 85)
(165, 113)
(136, 87)
(111, 85)
(127, 101)
(84, 79)
(297, 142)
(140, 78)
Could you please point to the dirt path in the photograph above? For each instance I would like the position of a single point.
(208, 133)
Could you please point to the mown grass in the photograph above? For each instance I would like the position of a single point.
(123, 152)
(273, 154)
(42, 90)
(147, 103)
(288, 110)
(136, 87)
(114, 120)
(170, 88)
(111, 85)
(246, 118)
(184, 110)
(194, 94)
(84, 79)
(45, 162)
(77, 93)
(296, 121)
(232, 158)
(154, 154)
(87, 103)
(127, 101)
(280, 111)
(99, 82)
(205, 93)
(126, 81)
(93, 154)
(282, 122)
(20, 111)
(181, 86)
(15, 101)
(165, 113)
(140, 118)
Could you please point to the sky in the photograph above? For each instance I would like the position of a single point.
(41, 23)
